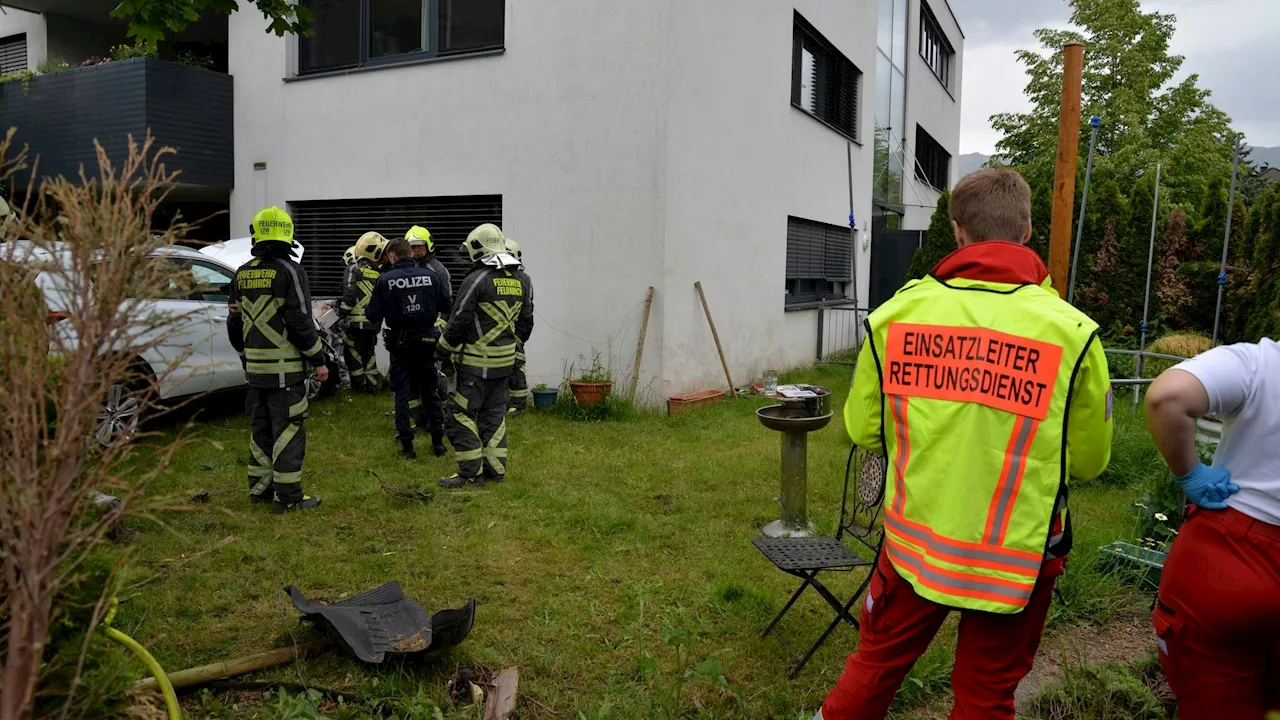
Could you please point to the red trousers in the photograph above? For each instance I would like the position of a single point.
(993, 654)
(1218, 617)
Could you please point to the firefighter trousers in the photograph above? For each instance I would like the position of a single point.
(993, 652)
(519, 387)
(362, 361)
(413, 380)
(277, 442)
(477, 425)
(1217, 618)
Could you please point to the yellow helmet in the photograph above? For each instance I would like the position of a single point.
(372, 247)
(349, 255)
(513, 248)
(272, 224)
(485, 241)
(419, 235)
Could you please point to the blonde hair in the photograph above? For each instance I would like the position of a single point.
(992, 205)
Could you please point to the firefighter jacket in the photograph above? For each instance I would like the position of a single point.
(270, 322)
(357, 288)
(433, 263)
(523, 277)
(985, 392)
(492, 317)
(410, 299)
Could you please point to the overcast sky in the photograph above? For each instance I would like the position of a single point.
(1230, 43)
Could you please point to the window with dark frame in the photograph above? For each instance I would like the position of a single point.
(13, 54)
(824, 83)
(933, 162)
(819, 261)
(934, 46)
(355, 33)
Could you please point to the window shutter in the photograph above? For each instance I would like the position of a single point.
(806, 243)
(328, 227)
(838, 256)
(13, 54)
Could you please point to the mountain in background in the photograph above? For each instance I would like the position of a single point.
(969, 162)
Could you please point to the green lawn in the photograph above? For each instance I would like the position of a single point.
(607, 538)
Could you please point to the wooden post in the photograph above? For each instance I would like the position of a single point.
(644, 329)
(719, 348)
(1064, 180)
(240, 666)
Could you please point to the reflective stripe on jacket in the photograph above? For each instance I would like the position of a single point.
(270, 322)
(985, 397)
(357, 288)
(493, 315)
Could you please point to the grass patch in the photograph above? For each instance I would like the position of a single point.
(614, 568)
(1113, 691)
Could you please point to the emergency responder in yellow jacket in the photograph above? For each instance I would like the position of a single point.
(359, 335)
(270, 324)
(985, 392)
(492, 316)
(519, 386)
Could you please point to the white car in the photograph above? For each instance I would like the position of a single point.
(196, 355)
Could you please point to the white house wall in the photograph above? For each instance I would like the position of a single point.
(930, 105)
(566, 126)
(740, 159)
(14, 21)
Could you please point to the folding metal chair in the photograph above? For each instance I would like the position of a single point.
(806, 557)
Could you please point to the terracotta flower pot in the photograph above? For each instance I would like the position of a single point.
(590, 393)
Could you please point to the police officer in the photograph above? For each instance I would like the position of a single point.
(492, 316)
(518, 396)
(270, 325)
(360, 336)
(410, 299)
(424, 255)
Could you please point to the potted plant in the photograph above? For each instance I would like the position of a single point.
(593, 385)
(545, 397)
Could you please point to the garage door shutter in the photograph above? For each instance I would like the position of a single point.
(328, 227)
(13, 53)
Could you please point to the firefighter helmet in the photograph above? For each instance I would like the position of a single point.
(272, 224)
(419, 235)
(349, 255)
(372, 247)
(484, 242)
(513, 249)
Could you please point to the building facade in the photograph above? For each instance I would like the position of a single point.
(626, 145)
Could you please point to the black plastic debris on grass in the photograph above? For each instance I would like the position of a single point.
(384, 622)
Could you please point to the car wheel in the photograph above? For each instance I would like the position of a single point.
(118, 415)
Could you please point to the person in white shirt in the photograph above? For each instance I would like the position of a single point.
(1217, 617)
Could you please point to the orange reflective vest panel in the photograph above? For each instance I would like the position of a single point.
(974, 381)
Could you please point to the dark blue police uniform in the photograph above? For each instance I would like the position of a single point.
(410, 299)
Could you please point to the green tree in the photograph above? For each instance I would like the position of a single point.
(939, 242)
(151, 20)
(1210, 222)
(1148, 117)
(1108, 215)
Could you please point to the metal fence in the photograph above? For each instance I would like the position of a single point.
(840, 333)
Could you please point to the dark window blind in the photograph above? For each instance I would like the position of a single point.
(933, 162)
(328, 227)
(824, 83)
(13, 53)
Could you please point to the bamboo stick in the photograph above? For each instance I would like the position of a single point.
(239, 666)
(715, 334)
(644, 329)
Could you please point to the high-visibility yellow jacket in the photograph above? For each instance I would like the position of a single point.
(357, 289)
(985, 392)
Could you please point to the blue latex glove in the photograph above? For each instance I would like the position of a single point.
(1208, 487)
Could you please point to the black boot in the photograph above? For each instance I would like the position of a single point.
(406, 449)
(456, 481)
(306, 503)
(437, 446)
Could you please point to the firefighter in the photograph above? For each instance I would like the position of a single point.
(965, 384)
(519, 392)
(410, 299)
(360, 337)
(492, 316)
(424, 255)
(270, 324)
(1219, 601)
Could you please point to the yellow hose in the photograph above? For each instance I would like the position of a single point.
(162, 679)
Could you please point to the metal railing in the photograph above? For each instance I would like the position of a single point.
(840, 333)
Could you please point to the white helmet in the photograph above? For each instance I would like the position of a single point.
(486, 244)
(372, 247)
(513, 249)
(349, 255)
